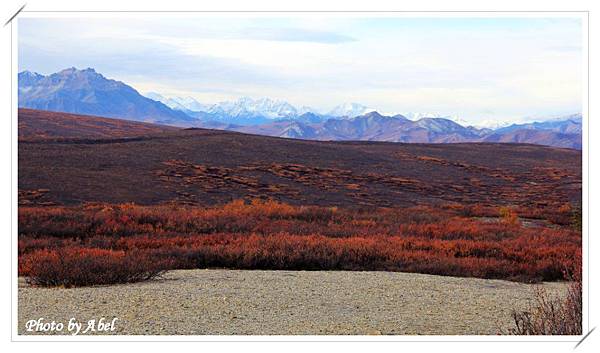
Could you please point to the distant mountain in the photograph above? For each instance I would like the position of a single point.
(248, 111)
(538, 137)
(570, 124)
(190, 104)
(307, 118)
(28, 79)
(185, 104)
(369, 127)
(350, 110)
(417, 116)
(246, 107)
(244, 111)
(376, 127)
(88, 92)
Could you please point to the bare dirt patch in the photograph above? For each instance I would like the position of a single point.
(231, 302)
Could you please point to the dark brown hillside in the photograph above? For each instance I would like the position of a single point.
(207, 167)
(39, 124)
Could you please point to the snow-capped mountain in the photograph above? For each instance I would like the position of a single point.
(88, 92)
(417, 116)
(350, 110)
(569, 124)
(305, 109)
(439, 125)
(190, 104)
(244, 110)
(178, 103)
(248, 107)
(491, 124)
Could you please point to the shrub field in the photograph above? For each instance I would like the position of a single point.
(105, 244)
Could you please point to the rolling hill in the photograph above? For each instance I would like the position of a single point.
(68, 159)
(45, 125)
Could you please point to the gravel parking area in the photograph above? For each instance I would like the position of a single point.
(238, 302)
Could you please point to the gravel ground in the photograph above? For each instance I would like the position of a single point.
(232, 302)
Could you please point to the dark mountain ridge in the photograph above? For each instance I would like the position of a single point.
(88, 92)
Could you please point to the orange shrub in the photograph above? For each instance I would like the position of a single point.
(74, 266)
(270, 235)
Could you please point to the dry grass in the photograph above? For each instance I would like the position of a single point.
(551, 315)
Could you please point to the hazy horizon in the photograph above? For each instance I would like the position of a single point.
(479, 69)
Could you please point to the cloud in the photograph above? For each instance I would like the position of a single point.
(565, 48)
(296, 35)
(475, 69)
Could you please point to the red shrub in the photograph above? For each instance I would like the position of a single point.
(271, 235)
(82, 267)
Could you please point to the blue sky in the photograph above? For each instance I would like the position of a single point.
(480, 69)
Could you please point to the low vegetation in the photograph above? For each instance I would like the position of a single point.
(103, 244)
(551, 315)
(76, 266)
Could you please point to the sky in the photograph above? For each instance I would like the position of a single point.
(478, 69)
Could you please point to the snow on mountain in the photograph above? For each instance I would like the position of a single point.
(491, 124)
(481, 124)
(248, 107)
(569, 124)
(88, 92)
(437, 125)
(305, 109)
(417, 116)
(178, 103)
(164, 100)
(190, 104)
(350, 110)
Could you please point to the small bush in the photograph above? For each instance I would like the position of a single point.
(553, 316)
(509, 216)
(271, 235)
(84, 267)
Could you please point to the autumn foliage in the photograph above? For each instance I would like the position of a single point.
(102, 244)
(75, 266)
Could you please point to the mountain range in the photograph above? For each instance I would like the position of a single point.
(248, 110)
(376, 127)
(90, 93)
